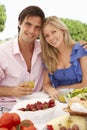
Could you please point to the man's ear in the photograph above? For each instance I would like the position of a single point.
(19, 24)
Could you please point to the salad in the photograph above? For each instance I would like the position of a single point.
(75, 92)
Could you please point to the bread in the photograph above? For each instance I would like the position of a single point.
(58, 122)
(79, 121)
(68, 121)
(78, 99)
(77, 106)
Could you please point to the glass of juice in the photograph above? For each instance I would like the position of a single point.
(61, 95)
(31, 83)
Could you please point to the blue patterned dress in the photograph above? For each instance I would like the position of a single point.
(73, 74)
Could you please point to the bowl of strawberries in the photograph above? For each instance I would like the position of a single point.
(37, 110)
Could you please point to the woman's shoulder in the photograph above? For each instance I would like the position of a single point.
(78, 46)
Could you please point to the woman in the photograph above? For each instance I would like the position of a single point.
(64, 59)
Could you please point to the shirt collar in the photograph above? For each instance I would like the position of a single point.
(37, 47)
(16, 50)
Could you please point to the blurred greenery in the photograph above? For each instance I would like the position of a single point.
(2, 17)
(78, 30)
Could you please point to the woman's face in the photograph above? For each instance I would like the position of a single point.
(53, 35)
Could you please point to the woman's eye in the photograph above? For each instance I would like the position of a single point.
(53, 31)
(46, 36)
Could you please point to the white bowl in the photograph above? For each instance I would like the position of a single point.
(38, 116)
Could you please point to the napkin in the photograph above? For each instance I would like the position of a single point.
(7, 102)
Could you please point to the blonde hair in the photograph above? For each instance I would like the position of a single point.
(49, 53)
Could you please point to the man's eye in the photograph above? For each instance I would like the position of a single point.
(28, 24)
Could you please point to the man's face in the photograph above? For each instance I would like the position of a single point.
(30, 28)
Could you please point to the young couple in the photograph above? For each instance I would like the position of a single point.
(58, 62)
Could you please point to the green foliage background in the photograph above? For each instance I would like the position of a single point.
(2, 17)
(77, 29)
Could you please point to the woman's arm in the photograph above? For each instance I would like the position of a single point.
(47, 87)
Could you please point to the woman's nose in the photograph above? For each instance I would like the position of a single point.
(50, 38)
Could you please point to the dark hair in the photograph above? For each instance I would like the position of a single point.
(31, 11)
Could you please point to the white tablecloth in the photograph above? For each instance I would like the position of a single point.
(38, 95)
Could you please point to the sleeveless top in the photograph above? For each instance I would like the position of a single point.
(73, 74)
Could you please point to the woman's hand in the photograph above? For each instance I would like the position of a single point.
(53, 93)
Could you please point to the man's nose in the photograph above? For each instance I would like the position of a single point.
(31, 30)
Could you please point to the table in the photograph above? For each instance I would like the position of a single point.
(39, 95)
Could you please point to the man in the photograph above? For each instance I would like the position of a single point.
(20, 59)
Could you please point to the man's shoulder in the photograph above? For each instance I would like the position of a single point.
(7, 44)
(8, 41)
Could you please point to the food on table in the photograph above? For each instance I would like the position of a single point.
(39, 106)
(26, 125)
(67, 122)
(50, 127)
(74, 127)
(40, 115)
(12, 121)
(16, 118)
(6, 120)
(76, 92)
(56, 123)
(77, 105)
(79, 121)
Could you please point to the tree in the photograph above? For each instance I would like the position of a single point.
(2, 17)
(78, 30)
